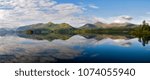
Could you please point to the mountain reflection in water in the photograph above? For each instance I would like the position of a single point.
(73, 48)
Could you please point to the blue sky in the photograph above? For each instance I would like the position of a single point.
(108, 8)
(74, 12)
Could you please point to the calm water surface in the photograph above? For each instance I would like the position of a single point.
(105, 48)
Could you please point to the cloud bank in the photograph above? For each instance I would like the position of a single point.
(123, 19)
(15, 13)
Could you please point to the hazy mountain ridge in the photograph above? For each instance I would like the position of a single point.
(111, 25)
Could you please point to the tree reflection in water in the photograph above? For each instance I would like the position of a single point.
(144, 39)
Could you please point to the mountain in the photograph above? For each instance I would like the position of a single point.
(64, 28)
(128, 25)
(46, 26)
(104, 25)
(100, 24)
(88, 26)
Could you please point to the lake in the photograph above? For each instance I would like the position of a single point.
(74, 49)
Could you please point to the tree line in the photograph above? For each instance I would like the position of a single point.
(143, 29)
(142, 32)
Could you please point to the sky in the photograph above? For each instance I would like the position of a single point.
(15, 13)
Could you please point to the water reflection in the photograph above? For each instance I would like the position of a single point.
(144, 40)
(16, 49)
(72, 48)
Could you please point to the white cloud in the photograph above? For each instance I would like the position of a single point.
(115, 19)
(148, 21)
(67, 9)
(99, 19)
(122, 19)
(93, 6)
(146, 18)
(14, 13)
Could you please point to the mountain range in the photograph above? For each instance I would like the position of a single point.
(48, 26)
(105, 25)
(52, 26)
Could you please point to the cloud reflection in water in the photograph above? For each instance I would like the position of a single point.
(17, 49)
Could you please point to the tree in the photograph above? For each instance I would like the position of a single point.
(142, 32)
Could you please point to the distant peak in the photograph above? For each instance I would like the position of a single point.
(50, 23)
(65, 24)
(99, 23)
